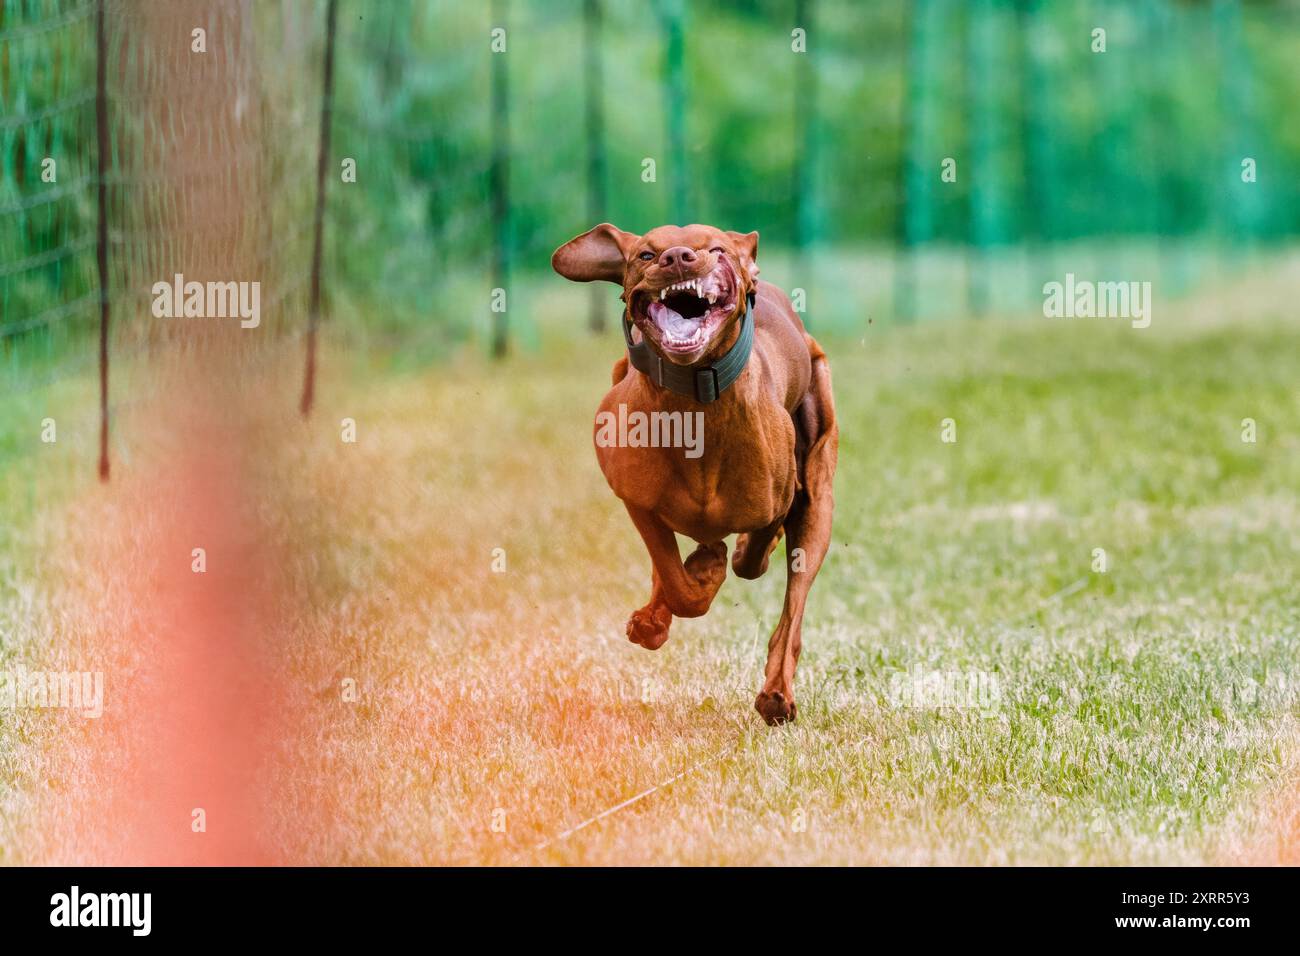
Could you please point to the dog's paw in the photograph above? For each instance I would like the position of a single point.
(707, 564)
(648, 626)
(775, 707)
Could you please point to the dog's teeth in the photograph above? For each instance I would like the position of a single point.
(694, 286)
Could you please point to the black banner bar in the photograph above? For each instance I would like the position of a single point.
(335, 906)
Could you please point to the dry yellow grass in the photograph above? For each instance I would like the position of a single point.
(1146, 716)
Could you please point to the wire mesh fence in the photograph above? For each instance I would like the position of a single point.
(467, 140)
(137, 139)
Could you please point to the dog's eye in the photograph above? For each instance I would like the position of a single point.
(717, 249)
(646, 256)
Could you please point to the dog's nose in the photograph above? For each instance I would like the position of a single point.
(678, 257)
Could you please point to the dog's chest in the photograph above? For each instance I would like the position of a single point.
(707, 471)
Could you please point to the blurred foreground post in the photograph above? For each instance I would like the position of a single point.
(101, 135)
(500, 185)
(322, 160)
(595, 141)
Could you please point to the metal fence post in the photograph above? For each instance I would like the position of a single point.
(595, 92)
(101, 134)
(500, 183)
(675, 105)
(805, 151)
(326, 111)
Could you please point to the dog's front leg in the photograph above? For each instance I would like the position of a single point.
(685, 590)
(648, 626)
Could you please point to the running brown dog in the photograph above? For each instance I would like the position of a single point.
(704, 335)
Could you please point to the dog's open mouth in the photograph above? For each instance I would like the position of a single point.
(683, 317)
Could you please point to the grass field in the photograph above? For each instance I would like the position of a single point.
(1147, 714)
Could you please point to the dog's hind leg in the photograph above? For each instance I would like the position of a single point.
(808, 529)
(749, 560)
(753, 549)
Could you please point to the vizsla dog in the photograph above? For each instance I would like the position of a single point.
(704, 335)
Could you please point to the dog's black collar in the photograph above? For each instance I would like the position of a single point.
(704, 383)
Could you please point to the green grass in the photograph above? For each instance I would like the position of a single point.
(1147, 714)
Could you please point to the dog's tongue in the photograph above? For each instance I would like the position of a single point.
(671, 321)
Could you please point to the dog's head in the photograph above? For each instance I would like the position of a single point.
(685, 286)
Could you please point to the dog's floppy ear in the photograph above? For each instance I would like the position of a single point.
(747, 243)
(599, 253)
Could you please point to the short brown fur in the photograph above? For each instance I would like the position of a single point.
(770, 446)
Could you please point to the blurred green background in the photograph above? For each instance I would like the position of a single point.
(472, 165)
